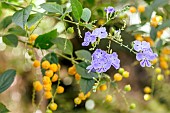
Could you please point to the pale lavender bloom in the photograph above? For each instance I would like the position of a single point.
(139, 46)
(100, 32)
(109, 9)
(89, 38)
(102, 61)
(145, 57)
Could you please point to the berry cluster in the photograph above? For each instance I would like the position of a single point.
(72, 71)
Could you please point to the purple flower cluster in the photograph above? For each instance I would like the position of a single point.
(102, 61)
(91, 37)
(109, 10)
(145, 53)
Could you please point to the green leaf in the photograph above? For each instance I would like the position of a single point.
(164, 25)
(76, 9)
(167, 7)
(86, 85)
(83, 72)
(6, 22)
(86, 14)
(10, 40)
(33, 18)
(17, 31)
(153, 33)
(83, 54)
(158, 3)
(51, 57)
(3, 108)
(64, 44)
(159, 45)
(133, 27)
(44, 41)
(20, 17)
(6, 79)
(52, 7)
(145, 16)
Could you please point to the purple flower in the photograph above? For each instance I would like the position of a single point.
(139, 46)
(100, 32)
(102, 61)
(145, 53)
(109, 9)
(88, 38)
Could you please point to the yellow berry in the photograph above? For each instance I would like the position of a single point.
(108, 98)
(72, 70)
(60, 89)
(132, 9)
(77, 101)
(48, 111)
(54, 78)
(32, 38)
(37, 86)
(54, 67)
(46, 80)
(77, 76)
(154, 61)
(49, 73)
(47, 87)
(53, 106)
(141, 8)
(82, 96)
(59, 66)
(47, 94)
(163, 64)
(36, 63)
(103, 87)
(121, 70)
(88, 94)
(154, 23)
(158, 70)
(159, 33)
(118, 77)
(147, 89)
(147, 97)
(45, 64)
(167, 72)
(125, 74)
(159, 18)
(160, 77)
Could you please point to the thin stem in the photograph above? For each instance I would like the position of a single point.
(36, 26)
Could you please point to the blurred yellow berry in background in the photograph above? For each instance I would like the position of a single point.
(147, 97)
(53, 106)
(77, 76)
(32, 38)
(47, 94)
(36, 63)
(54, 78)
(132, 9)
(49, 73)
(77, 101)
(141, 8)
(103, 87)
(158, 70)
(60, 89)
(117, 77)
(72, 70)
(125, 74)
(147, 89)
(37, 86)
(45, 64)
(82, 96)
(160, 77)
(108, 98)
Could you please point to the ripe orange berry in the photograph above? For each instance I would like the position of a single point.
(159, 33)
(117, 77)
(32, 38)
(54, 67)
(60, 89)
(154, 23)
(103, 87)
(141, 8)
(88, 94)
(37, 86)
(108, 98)
(49, 73)
(45, 64)
(139, 37)
(46, 80)
(77, 101)
(47, 94)
(59, 66)
(163, 64)
(72, 70)
(132, 9)
(148, 39)
(36, 63)
(54, 78)
(82, 96)
(77, 76)
(47, 87)
(147, 89)
(53, 106)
